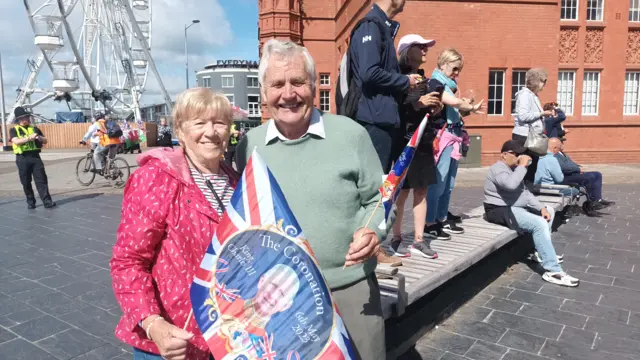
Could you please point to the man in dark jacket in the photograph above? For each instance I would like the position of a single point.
(591, 180)
(375, 70)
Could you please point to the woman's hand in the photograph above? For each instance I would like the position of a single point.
(431, 100)
(170, 339)
(477, 108)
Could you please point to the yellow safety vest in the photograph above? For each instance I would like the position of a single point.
(29, 145)
(234, 139)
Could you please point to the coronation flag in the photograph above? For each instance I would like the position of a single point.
(396, 177)
(259, 292)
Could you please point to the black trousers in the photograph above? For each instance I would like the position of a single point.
(388, 142)
(230, 154)
(531, 170)
(29, 166)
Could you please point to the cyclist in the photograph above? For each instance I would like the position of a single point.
(109, 133)
(91, 134)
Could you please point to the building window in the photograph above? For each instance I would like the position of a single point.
(634, 10)
(325, 101)
(590, 92)
(206, 82)
(566, 87)
(496, 92)
(253, 105)
(325, 80)
(632, 93)
(517, 83)
(227, 81)
(595, 9)
(569, 10)
(252, 82)
(231, 98)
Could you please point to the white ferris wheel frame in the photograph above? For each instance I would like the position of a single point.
(108, 26)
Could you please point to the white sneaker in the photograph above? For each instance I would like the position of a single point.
(536, 257)
(560, 278)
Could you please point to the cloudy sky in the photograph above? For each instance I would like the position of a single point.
(228, 30)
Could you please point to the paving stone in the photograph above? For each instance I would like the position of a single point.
(613, 328)
(451, 356)
(473, 312)
(519, 355)
(424, 352)
(58, 280)
(99, 325)
(475, 329)
(524, 324)
(106, 352)
(70, 343)
(594, 278)
(79, 288)
(574, 293)
(522, 341)
(40, 328)
(568, 351)
(103, 298)
(56, 303)
(556, 316)
(577, 336)
(620, 301)
(18, 286)
(597, 311)
(9, 306)
(6, 335)
(537, 299)
(483, 350)
(20, 317)
(447, 341)
(499, 291)
(19, 349)
(618, 346)
(614, 273)
(631, 284)
(504, 305)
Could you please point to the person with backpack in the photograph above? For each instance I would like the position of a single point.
(109, 133)
(370, 82)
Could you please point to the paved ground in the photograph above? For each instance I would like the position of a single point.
(56, 301)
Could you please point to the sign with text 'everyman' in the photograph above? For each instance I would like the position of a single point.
(259, 292)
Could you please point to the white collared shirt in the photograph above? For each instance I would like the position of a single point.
(316, 127)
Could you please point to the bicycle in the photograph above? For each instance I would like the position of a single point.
(115, 170)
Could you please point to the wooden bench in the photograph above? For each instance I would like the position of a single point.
(402, 286)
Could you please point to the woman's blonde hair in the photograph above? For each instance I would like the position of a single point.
(195, 103)
(448, 56)
(534, 78)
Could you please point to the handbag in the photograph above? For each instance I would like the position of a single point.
(536, 143)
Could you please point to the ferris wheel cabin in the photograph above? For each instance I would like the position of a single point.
(48, 32)
(65, 76)
(139, 59)
(140, 4)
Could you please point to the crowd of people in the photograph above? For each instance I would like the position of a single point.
(174, 202)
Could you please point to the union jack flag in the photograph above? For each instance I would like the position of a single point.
(293, 355)
(395, 179)
(257, 201)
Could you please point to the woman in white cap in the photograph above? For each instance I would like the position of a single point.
(412, 53)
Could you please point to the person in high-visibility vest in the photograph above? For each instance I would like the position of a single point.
(27, 141)
(231, 147)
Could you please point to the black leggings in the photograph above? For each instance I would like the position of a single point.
(531, 170)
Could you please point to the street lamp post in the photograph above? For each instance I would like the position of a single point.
(186, 50)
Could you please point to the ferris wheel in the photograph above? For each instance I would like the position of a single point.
(97, 53)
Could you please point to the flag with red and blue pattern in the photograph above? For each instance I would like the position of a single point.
(259, 292)
(395, 179)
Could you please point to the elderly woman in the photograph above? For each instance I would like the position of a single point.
(448, 151)
(412, 53)
(330, 173)
(171, 208)
(529, 113)
(164, 133)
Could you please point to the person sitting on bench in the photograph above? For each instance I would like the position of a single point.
(549, 171)
(508, 202)
(591, 180)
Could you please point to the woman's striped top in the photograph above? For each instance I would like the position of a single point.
(220, 184)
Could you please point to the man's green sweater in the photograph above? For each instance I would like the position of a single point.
(331, 185)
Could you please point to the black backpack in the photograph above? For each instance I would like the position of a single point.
(347, 92)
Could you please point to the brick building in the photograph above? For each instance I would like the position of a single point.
(591, 49)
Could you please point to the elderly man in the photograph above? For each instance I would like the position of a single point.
(575, 174)
(549, 171)
(329, 171)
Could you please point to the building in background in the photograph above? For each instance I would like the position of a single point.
(153, 113)
(238, 80)
(591, 49)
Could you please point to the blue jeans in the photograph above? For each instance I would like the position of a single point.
(540, 229)
(439, 194)
(143, 355)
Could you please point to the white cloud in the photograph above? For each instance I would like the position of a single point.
(206, 39)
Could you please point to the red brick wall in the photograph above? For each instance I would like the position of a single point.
(506, 35)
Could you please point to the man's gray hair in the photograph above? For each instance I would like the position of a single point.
(289, 50)
(534, 78)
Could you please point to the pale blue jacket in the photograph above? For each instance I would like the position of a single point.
(549, 171)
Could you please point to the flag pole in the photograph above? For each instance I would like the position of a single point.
(366, 226)
(188, 318)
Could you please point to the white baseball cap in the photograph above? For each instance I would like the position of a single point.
(413, 39)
